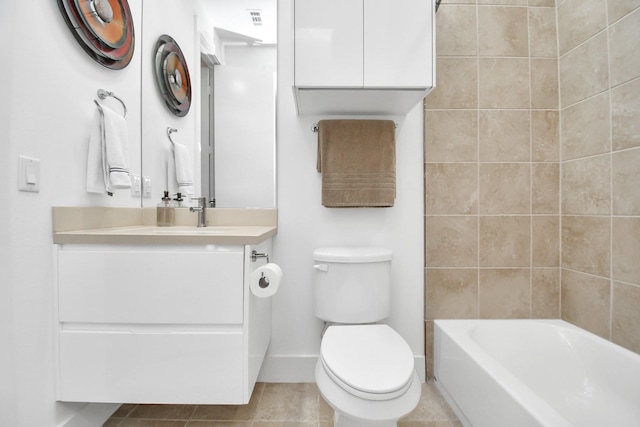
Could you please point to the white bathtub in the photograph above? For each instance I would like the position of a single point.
(519, 373)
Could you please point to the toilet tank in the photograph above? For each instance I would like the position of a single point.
(352, 284)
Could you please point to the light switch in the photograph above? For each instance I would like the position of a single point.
(32, 174)
(28, 174)
(146, 185)
(135, 185)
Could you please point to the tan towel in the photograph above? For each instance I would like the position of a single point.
(357, 159)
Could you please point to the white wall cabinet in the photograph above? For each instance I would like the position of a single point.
(158, 324)
(362, 56)
(328, 43)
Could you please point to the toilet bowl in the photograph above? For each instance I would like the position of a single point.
(365, 370)
(366, 374)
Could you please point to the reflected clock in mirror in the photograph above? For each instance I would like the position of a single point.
(172, 75)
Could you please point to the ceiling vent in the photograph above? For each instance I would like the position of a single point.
(256, 17)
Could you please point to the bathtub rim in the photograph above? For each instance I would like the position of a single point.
(531, 403)
(505, 380)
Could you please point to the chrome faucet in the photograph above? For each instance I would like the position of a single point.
(202, 211)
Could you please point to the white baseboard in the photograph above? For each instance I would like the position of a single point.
(301, 369)
(91, 414)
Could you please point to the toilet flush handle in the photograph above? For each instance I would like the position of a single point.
(321, 267)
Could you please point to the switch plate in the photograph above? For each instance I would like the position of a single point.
(146, 185)
(135, 186)
(28, 174)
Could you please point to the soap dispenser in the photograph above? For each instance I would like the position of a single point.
(166, 211)
(179, 200)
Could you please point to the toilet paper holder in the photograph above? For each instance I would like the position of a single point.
(255, 255)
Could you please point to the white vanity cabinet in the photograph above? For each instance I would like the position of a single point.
(158, 323)
(363, 56)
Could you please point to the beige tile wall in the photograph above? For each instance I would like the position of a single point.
(532, 165)
(599, 65)
(492, 205)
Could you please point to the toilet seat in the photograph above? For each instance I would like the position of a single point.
(369, 361)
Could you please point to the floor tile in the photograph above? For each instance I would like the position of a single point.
(133, 422)
(124, 410)
(219, 424)
(285, 424)
(432, 406)
(230, 412)
(273, 405)
(163, 412)
(288, 402)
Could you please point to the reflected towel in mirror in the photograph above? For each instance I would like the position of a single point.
(184, 172)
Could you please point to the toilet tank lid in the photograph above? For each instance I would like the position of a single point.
(352, 254)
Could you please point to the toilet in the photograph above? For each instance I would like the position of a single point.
(365, 371)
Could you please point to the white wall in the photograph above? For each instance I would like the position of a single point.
(304, 224)
(8, 413)
(50, 84)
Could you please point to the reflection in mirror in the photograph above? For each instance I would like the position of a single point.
(176, 19)
(221, 35)
(172, 75)
(238, 91)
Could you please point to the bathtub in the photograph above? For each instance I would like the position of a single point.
(519, 373)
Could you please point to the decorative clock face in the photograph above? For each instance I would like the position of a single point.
(104, 29)
(172, 75)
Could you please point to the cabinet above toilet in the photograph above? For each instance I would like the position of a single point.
(373, 57)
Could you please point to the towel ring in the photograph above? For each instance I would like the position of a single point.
(103, 94)
(169, 132)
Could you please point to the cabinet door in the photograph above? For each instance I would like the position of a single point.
(328, 43)
(152, 286)
(144, 367)
(398, 43)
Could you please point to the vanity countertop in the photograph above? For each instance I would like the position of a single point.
(95, 225)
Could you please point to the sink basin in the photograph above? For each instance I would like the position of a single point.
(187, 230)
(211, 231)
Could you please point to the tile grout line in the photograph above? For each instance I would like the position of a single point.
(478, 246)
(611, 287)
(530, 164)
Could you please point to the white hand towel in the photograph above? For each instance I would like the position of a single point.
(184, 172)
(116, 140)
(107, 159)
(97, 177)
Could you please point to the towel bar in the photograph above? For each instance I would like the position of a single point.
(103, 94)
(314, 127)
(255, 255)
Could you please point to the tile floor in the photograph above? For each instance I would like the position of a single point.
(273, 405)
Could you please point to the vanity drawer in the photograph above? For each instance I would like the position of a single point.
(150, 286)
(170, 367)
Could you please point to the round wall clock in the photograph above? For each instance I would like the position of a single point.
(172, 75)
(104, 29)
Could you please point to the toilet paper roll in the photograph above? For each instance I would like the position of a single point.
(265, 280)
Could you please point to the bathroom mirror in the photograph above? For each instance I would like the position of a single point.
(231, 49)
